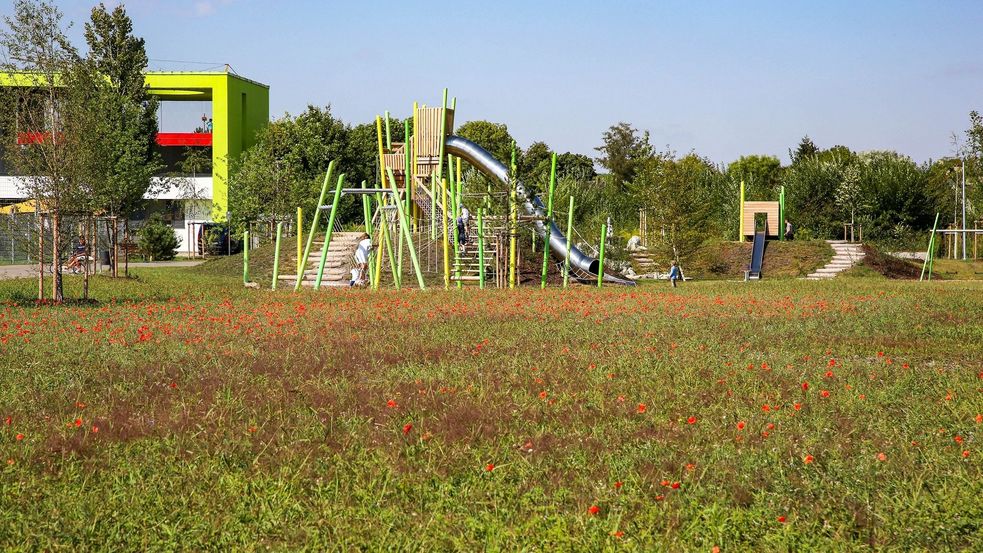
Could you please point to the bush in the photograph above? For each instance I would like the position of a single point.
(157, 240)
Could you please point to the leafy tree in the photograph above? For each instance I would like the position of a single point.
(535, 165)
(36, 48)
(762, 175)
(679, 194)
(127, 113)
(493, 137)
(624, 152)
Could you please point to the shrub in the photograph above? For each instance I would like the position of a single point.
(157, 240)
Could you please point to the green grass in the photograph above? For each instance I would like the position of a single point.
(182, 411)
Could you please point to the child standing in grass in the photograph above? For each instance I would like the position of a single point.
(675, 273)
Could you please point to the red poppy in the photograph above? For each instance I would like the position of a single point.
(979, 419)
(808, 459)
(691, 420)
(173, 385)
(881, 457)
(824, 393)
(958, 439)
(593, 510)
(660, 497)
(641, 408)
(966, 454)
(766, 408)
(19, 437)
(781, 519)
(675, 485)
(617, 485)
(78, 423)
(392, 404)
(805, 385)
(797, 406)
(7, 421)
(618, 534)
(489, 467)
(740, 425)
(829, 374)
(407, 428)
(542, 395)
(664, 483)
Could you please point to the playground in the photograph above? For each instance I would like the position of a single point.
(348, 328)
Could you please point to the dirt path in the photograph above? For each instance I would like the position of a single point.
(23, 271)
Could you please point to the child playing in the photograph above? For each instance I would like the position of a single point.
(675, 273)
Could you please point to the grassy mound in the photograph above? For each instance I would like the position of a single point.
(729, 260)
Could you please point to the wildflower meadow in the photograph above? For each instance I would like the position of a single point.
(179, 411)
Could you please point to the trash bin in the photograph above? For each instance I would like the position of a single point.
(104, 257)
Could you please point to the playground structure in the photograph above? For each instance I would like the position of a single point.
(417, 214)
(773, 226)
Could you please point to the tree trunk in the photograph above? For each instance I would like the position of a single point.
(40, 253)
(85, 259)
(57, 293)
(115, 260)
(126, 251)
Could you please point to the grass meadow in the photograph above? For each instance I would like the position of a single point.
(182, 411)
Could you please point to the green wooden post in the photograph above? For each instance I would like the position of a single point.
(481, 251)
(781, 213)
(548, 223)
(389, 142)
(433, 208)
(928, 252)
(600, 260)
(513, 221)
(566, 261)
(455, 213)
(300, 238)
(245, 257)
(367, 215)
(302, 264)
(408, 184)
(387, 240)
(276, 254)
(404, 227)
(327, 235)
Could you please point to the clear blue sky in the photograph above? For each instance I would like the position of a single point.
(723, 78)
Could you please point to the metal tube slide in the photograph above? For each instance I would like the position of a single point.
(487, 164)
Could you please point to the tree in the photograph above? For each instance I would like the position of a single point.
(493, 137)
(679, 195)
(805, 149)
(156, 239)
(534, 168)
(128, 114)
(624, 152)
(762, 175)
(38, 52)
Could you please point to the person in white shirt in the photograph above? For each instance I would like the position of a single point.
(462, 226)
(362, 253)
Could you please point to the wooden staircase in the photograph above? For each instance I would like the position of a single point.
(337, 265)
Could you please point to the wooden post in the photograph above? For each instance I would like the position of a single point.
(566, 261)
(600, 261)
(405, 233)
(245, 257)
(300, 238)
(740, 227)
(513, 221)
(276, 254)
(481, 251)
(548, 223)
(327, 235)
(302, 264)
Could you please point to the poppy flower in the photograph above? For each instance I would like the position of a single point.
(979, 419)
(95, 429)
(543, 394)
(691, 420)
(7, 421)
(958, 439)
(741, 425)
(641, 408)
(660, 497)
(675, 485)
(797, 406)
(593, 510)
(19, 437)
(618, 534)
(489, 467)
(781, 519)
(78, 423)
(805, 385)
(965, 454)
(824, 393)
(881, 457)
(617, 485)
(664, 483)
(392, 404)
(829, 374)
(766, 408)
(808, 459)
(407, 428)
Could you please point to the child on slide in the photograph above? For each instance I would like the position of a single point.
(675, 273)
